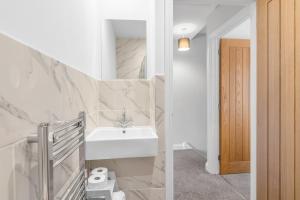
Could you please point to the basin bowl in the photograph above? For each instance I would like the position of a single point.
(113, 143)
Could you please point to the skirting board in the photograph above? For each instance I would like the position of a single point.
(182, 146)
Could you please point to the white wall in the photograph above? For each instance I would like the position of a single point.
(219, 16)
(64, 29)
(108, 49)
(190, 94)
(159, 11)
(242, 31)
(70, 30)
(126, 9)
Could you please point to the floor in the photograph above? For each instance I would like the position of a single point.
(192, 182)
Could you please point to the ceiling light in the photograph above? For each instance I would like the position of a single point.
(184, 29)
(184, 44)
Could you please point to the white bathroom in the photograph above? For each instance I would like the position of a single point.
(82, 100)
(149, 100)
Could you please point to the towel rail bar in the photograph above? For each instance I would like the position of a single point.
(55, 144)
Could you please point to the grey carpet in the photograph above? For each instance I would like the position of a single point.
(192, 182)
(241, 182)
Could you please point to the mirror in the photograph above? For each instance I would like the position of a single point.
(124, 45)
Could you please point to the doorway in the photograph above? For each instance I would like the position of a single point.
(277, 151)
(197, 172)
(235, 105)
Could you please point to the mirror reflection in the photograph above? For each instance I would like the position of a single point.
(124, 49)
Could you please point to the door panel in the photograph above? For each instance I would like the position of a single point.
(235, 140)
(297, 115)
(246, 105)
(287, 81)
(274, 99)
(278, 75)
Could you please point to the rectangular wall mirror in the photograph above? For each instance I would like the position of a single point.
(124, 49)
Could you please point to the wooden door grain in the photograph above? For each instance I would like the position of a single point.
(297, 100)
(235, 112)
(278, 100)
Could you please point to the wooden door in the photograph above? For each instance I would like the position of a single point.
(235, 104)
(278, 100)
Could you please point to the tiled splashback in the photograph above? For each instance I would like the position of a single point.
(140, 178)
(132, 95)
(35, 88)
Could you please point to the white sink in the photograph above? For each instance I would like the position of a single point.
(111, 143)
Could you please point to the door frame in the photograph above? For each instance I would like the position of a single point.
(168, 68)
(213, 92)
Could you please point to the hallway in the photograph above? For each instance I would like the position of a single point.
(192, 182)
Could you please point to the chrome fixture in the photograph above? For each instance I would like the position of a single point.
(124, 122)
(55, 144)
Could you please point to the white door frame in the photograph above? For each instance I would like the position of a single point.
(213, 97)
(168, 64)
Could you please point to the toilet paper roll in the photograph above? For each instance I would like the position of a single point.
(100, 171)
(118, 195)
(97, 181)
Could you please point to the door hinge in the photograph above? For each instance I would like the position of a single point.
(219, 52)
(219, 157)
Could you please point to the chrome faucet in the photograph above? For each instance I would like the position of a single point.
(124, 122)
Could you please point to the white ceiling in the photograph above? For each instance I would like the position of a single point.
(129, 28)
(193, 13)
(240, 32)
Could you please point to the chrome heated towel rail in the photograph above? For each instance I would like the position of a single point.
(55, 144)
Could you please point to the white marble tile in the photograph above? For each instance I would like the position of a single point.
(137, 176)
(79, 93)
(131, 94)
(127, 167)
(26, 171)
(36, 88)
(134, 182)
(146, 194)
(28, 94)
(160, 110)
(158, 175)
(7, 173)
(131, 56)
(109, 118)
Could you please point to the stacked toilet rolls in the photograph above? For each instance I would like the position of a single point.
(100, 171)
(100, 183)
(98, 177)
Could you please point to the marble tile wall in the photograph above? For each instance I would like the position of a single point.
(133, 96)
(139, 178)
(36, 88)
(131, 58)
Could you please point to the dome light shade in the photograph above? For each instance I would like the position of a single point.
(184, 44)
